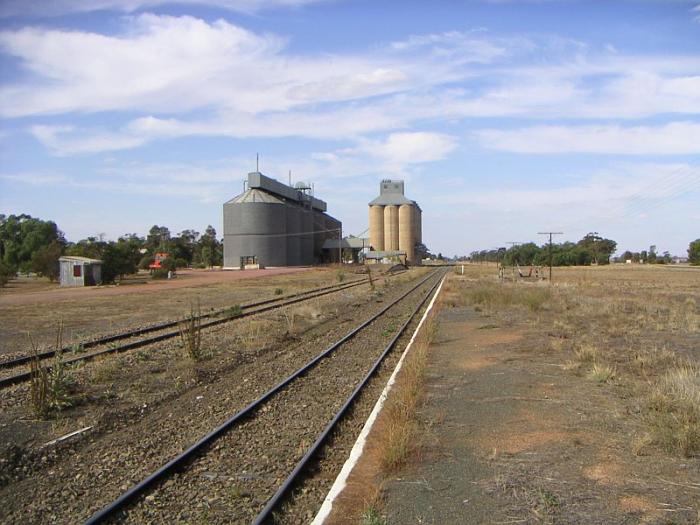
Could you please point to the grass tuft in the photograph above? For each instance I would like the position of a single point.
(674, 410)
(601, 373)
(371, 516)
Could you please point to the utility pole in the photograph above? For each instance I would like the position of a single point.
(550, 250)
(513, 244)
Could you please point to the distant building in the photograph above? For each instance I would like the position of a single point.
(395, 224)
(79, 271)
(276, 225)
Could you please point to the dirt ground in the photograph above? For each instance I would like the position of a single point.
(36, 307)
(516, 424)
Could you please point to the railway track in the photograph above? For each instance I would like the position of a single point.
(246, 466)
(16, 371)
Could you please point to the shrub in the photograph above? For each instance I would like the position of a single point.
(6, 273)
(160, 273)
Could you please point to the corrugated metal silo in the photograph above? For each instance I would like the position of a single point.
(306, 243)
(293, 238)
(255, 224)
(406, 230)
(391, 227)
(376, 227)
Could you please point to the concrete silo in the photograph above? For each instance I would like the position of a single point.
(376, 228)
(407, 231)
(275, 223)
(391, 227)
(395, 223)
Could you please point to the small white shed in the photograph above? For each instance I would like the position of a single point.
(80, 271)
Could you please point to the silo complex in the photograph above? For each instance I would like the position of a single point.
(278, 224)
(395, 222)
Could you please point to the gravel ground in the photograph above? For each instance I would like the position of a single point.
(66, 484)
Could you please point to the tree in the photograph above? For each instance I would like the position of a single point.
(21, 236)
(601, 249)
(119, 259)
(210, 250)
(694, 252)
(158, 239)
(45, 261)
(184, 246)
(6, 273)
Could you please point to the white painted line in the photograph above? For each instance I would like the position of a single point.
(356, 452)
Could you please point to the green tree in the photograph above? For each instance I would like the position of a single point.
(694, 252)
(21, 236)
(210, 250)
(45, 261)
(600, 249)
(158, 239)
(6, 273)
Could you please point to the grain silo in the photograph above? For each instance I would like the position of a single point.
(278, 224)
(395, 223)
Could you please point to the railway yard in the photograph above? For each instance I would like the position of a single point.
(540, 404)
(143, 407)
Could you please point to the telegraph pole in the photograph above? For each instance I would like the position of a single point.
(550, 250)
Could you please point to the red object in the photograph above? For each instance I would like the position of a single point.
(159, 257)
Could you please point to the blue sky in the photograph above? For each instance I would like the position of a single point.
(504, 117)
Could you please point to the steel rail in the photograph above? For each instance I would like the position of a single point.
(297, 298)
(180, 460)
(161, 326)
(311, 452)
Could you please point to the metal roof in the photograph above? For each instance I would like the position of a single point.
(255, 195)
(78, 259)
(258, 180)
(357, 243)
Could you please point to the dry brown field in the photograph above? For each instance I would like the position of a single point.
(576, 402)
(35, 307)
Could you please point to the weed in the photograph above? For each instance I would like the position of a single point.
(279, 291)
(290, 321)
(49, 387)
(371, 516)
(77, 348)
(39, 384)
(601, 373)
(340, 275)
(233, 311)
(191, 333)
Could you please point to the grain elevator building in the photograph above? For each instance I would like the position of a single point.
(395, 222)
(277, 224)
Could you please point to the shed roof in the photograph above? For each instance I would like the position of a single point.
(78, 259)
(356, 243)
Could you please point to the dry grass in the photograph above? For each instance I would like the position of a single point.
(674, 410)
(399, 425)
(495, 296)
(601, 373)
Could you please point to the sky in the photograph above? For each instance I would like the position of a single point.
(504, 118)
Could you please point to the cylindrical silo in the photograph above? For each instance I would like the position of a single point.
(419, 225)
(391, 227)
(293, 237)
(307, 237)
(255, 229)
(376, 228)
(406, 231)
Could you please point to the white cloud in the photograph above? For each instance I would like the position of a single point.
(676, 138)
(184, 76)
(60, 7)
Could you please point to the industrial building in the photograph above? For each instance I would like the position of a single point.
(276, 224)
(395, 224)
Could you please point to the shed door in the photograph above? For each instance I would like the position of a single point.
(77, 270)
